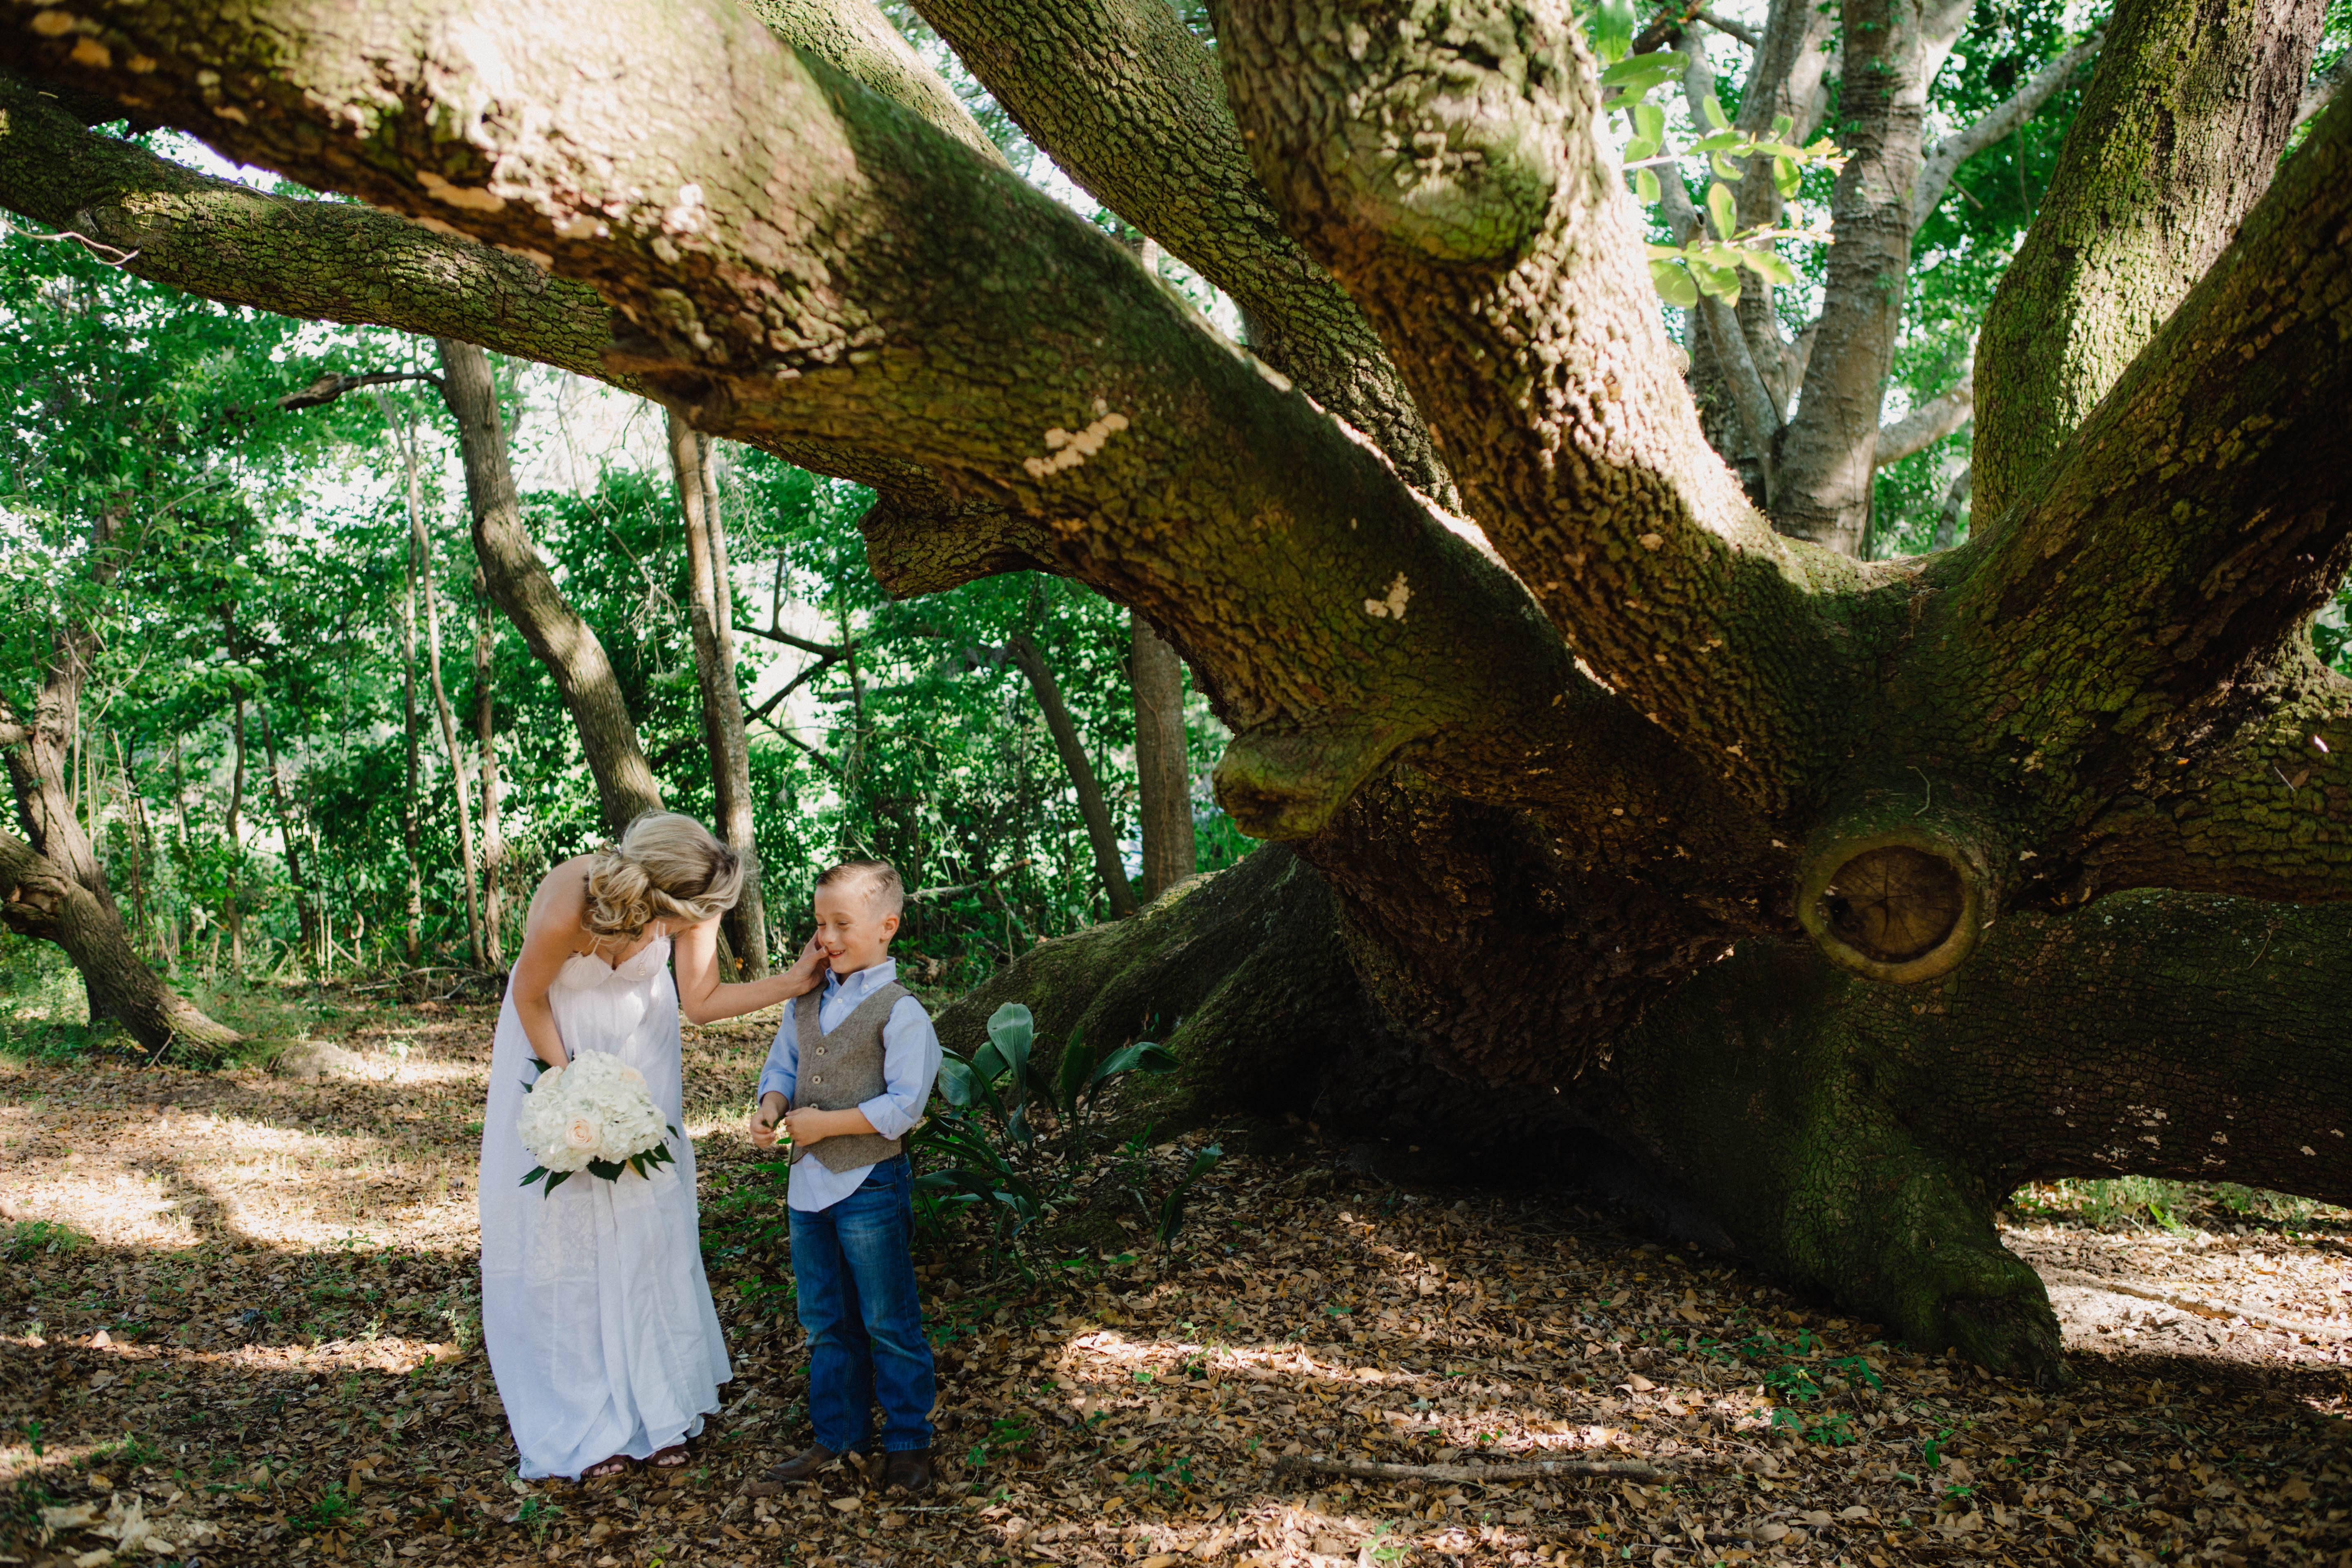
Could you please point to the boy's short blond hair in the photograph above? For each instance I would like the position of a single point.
(885, 889)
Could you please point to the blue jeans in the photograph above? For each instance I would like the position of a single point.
(854, 1269)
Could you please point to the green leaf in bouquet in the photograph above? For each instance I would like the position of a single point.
(556, 1180)
(537, 1172)
(604, 1170)
(1646, 186)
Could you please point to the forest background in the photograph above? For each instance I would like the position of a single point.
(257, 757)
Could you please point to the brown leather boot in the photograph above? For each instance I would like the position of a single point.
(909, 1471)
(800, 1468)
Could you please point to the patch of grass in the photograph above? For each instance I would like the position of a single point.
(2175, 1207)
(329, 1509)
(29, 1238)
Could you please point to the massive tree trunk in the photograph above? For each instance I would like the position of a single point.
(1825, 898)
(711, 600)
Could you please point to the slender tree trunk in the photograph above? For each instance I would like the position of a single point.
(709, 613)
(410, 799)
(1821, 486)
(494, 849)
(232, 914)
(422, 544)
(1109, 864)
(1163, 783)
(143, 843)
(521, 585)
(305, 914)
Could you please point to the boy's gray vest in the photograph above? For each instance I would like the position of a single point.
(842, 1071)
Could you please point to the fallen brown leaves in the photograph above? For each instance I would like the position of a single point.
(264, 1354)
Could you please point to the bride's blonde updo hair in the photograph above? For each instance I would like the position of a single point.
(666, 867)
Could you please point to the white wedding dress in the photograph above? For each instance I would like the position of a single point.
(595, 1310)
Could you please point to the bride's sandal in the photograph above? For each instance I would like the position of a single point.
(618, 1465)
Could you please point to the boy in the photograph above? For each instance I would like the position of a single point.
(850, 1075)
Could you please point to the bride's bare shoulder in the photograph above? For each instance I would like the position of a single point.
(562, 893)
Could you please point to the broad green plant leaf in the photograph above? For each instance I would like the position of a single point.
(1720, 211)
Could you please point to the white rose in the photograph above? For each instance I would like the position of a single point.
(579, 1133)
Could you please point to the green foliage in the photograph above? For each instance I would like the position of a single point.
(1001, 1159)
(245, 765)
(331, 1509)
(1803, 1382)
(24, 1240)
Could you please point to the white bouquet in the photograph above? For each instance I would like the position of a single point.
(596, 1116)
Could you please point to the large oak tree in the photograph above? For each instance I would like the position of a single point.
(1829, 899)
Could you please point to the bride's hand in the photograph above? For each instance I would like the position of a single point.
(808, 970)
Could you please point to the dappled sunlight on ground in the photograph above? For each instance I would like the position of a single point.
(249, 1303)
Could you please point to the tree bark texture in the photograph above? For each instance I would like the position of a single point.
(306, 897)
(485, 767)
(1163, 776)
(1892, 49)
(1111, 865)
(2149, 190)
(41, 898)
(1612, 800)
(521, 584)
(421, 546)
(709, 598)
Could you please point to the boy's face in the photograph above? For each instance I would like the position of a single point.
(850, 926)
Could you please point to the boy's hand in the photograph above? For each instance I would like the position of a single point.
(761, 1125)
(807, 1125)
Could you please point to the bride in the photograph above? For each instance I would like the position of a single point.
(596, 1311)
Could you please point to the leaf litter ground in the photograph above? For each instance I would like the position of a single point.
(263, 1350)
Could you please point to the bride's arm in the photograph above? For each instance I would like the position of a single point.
(702, 997)
(553, 935)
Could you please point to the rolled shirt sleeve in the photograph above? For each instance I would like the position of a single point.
(782, 1072)
(910, 1062)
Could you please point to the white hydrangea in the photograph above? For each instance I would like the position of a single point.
(596, 1111)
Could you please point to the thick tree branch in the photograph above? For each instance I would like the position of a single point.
(1936, 171)
(1123, 97)
(863, 44)
(1927, 424)
(2193, 484)
(1461, 196)
(2323, 89)
(2148, 190)
(805, 266)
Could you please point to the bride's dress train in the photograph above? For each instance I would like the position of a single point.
(595, 1310)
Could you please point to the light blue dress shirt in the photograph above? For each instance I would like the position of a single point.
(910, 1060)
